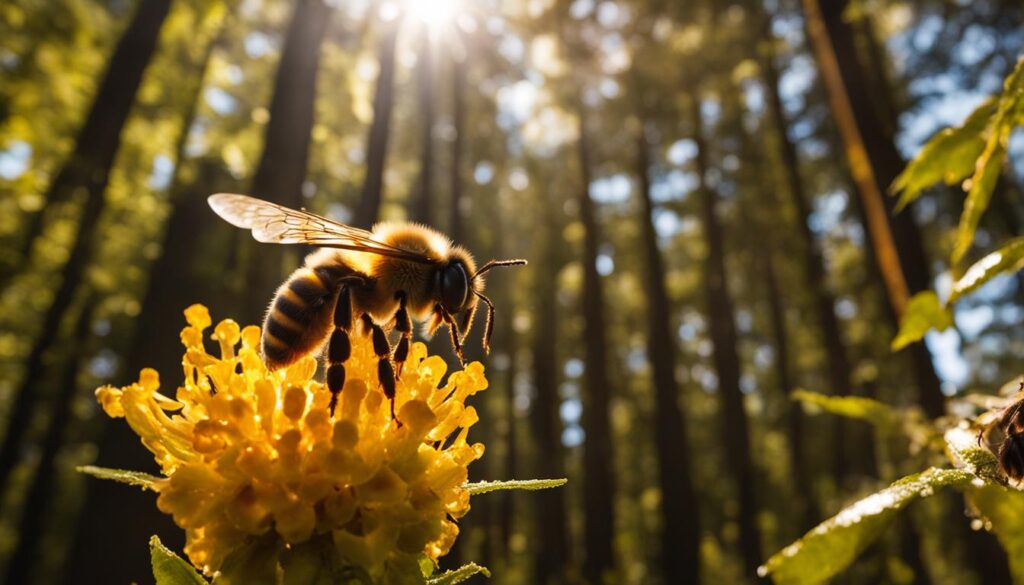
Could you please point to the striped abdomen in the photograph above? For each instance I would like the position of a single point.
(300, 317)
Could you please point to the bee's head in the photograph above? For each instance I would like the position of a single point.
(453, 284)
(458, 286)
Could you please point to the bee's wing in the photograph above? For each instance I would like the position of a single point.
(276, 224)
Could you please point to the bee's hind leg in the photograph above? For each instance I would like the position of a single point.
(385, 371)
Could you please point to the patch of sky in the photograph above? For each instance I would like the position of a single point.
(710, 112)
(744, 321)
(483, 172)
(636, 359)
(753, 97)
(828, 211)
(234, 74)
(681, 152)
(512, 48)
(220, 101)
(581, 9)
(949, 363)
(613, 189)
(161, 173)
(573, 436)
(258, 44)
(605, 264)
(764, 356)
(573, 368)
(666, 223)
(846, 308)
(795, 82)
(515, 103)
(570, 411)
(748, 384)
(15, 159)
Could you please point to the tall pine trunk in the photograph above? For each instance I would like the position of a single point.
(551, 550)
(88, 167)
(86, 170)
(838, 365)
(874, 162)
(735, 426)
(173, 285)
(598, 460)
(42, 487)
(680, 536)
(368, 208)
(282, 166)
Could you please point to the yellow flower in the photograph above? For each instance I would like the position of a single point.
(249, 452)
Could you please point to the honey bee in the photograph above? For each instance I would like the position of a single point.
(373, 280)
(1011, 450)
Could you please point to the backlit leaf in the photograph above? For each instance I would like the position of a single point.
(924, 312)
(831, 546)
(169, 568)
(1009, 258)
(872, 411)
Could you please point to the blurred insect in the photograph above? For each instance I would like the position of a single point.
(1011, 451)
(374, 280)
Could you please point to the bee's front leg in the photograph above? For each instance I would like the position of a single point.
(385, 371)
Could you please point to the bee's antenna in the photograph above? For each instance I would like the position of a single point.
(496, 263)
(489, 323)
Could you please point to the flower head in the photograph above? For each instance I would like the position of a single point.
(247, 452)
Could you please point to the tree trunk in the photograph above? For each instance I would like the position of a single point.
(458, 144)
(422, 203)
(838, 365)
(874, 162)
(598, 460)
(88, 167)
(88, 170)
(368, 209)
(680, 537)
(116, 519)
(34, 510)
(282, 167)
(550, 521)
(735, 427)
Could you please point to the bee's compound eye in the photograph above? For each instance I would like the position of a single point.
(454, 285)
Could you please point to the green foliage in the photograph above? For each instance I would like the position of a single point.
(482, 487)
(1000, 507)
(834, 544)
(948, 157)
(872, 411)
(1008, 258)
(136, 478)
(1007, 116)
(459, 575)
(924, 312)
(169, 568)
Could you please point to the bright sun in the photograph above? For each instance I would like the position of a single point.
(436, 14)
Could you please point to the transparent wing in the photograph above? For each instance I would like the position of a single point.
(276, 224)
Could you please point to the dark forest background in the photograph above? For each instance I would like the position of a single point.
(702, 237)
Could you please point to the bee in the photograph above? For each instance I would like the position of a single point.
(361, 281)
(1011, 451)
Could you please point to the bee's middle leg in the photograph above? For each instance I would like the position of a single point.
(382, 349)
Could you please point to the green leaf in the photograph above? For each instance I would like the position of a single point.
(482, 487)
(1001, 507)
(254, 563)
(924, 312)
(965, 451)
(948, 157)
(1009, 258)
(990, 162)
(137, 478)
(872, 411)
(169, 568)
(831, 546)
(458, 575)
